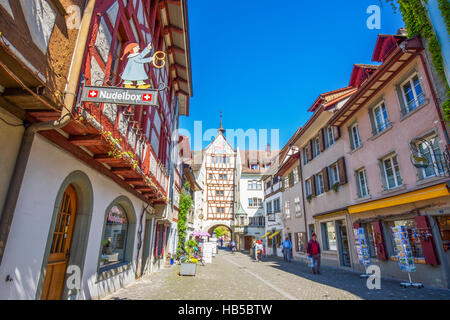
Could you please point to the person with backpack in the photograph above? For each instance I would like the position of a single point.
(313, 251)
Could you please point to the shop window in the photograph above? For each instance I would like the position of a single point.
(368, 230)
(413, 235)
(329, 236)
(114, 237)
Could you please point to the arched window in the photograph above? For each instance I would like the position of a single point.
(114, 240)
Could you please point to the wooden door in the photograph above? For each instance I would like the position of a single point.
(247, 242)
(60, 249)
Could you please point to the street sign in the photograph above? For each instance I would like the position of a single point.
(123, 96)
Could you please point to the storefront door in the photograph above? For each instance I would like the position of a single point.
(345, 248)
(247, 242)
(60, 249)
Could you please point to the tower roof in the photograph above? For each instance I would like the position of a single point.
(221, 129)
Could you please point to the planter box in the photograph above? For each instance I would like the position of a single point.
(188, 269)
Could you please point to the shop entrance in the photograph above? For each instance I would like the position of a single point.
(60, 250)
(247, 242)
(345, 248)
(444, 228)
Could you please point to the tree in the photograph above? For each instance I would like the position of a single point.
(221, 231)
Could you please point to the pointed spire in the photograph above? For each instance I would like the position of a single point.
(221, 129)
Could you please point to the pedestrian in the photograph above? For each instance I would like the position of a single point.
(221, 242)
(233, 246)
(313, 250)
(258, 250)
(287, 247)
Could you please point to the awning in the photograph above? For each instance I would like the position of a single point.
(436, 191)
(265, 235)
(274, 234)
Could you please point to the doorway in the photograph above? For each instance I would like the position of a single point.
(344, 245)
(60, 249)
(247, 242)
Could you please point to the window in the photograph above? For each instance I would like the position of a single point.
(271, 217)
(316, 147)
(254, 185)
(222, 177)
(287, 210)
(412, 92)
(220, 210)
(269, 207)
(413, 235)
(334, 174)
(219, 193)
(254, 202)
(298, 208)
(305, 155)
(380, 118)
(114, 237)
(254, 167)
(286, 182)
(429, 153)
(319, 184)
(308, 187)
(329, 137)
(329, 236)
(276, 205)
(355, 140)
(391, 172)
(295, 173)
(361, 180)
(210, 176)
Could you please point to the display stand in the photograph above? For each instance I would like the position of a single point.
(405, 255)
(361, 249)
(410, 283)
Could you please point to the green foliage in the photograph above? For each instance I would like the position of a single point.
(221, 231)
(184, 206)
(417, 23)
(190, 256)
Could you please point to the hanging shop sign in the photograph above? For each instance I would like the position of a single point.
(404, 251)
(121, 96)
(361, 246)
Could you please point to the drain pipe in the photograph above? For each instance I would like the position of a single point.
(28, 136)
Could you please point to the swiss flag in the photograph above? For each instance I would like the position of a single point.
(147, 97)
(93, 93)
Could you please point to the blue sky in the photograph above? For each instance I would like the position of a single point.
(263, 62)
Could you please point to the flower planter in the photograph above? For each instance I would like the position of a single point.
(188, 269)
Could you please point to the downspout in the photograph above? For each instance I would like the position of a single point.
(303, 195)
(28, 136)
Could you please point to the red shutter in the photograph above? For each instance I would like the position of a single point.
(342, 171)
(428, 247)
(379, 240)
(321, 141)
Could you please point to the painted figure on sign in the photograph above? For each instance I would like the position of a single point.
(134, 70)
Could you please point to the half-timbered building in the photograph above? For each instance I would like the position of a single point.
(92, 198)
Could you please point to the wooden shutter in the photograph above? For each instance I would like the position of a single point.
(336, 132)
(291, 179)
(310, 150)
(428, 247)
(299, 173)
(379, 240)
(342, 171)
(321, 140)
(313, 185)
(326, 181)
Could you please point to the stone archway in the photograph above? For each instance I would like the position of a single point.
(212, 228)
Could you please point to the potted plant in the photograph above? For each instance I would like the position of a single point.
(335, 186)
(309, 198)
(188, 261)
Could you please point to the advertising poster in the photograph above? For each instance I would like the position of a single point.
(404, 252)
(361, 246)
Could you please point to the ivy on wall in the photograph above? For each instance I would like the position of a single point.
(417, 23)
(184, 205)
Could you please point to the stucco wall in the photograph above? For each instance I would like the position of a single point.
(397, 139)
(47, 168)
(10, 139)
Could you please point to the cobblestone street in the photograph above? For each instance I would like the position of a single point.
(237, 277)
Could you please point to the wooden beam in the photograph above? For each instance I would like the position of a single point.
(173, 29)
(177, 49)
(120, 170)
(60, 140)
(174, 2)
(86, 140)
(177, 66)
(133, 180)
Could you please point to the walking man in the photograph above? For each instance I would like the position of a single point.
(287, 247)
(313, 250)
(258, 250)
